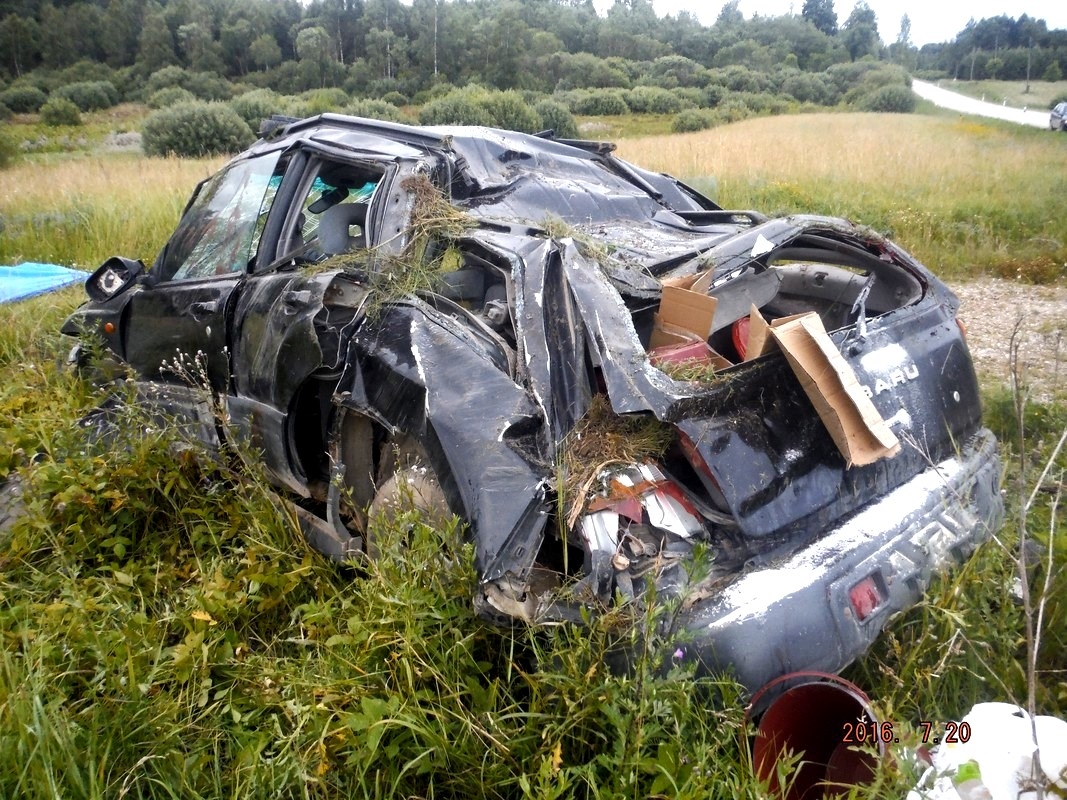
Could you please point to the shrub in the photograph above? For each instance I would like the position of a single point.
(653, 100)
(866, 81)
(86, 70)
(599, 103)
(457, 108)
(676, 71)
(847, 75)
(693, 119)
(889, 99)
(475, 105)
(5, 112)
(739, 78)
(8, 150)
(379, 87)
(690, 96)
(255, 106)
(295, 107)
(762, 102)
(713, 95)
(442, 89)
(435, 92)
(209, 86)
(167, 76)
(807, 87)
(396, 99)
(205, 85)
(89, 95)
(557, 117)
(170, 96)
(24, 99)
(508, 110)
(734, 110)
(584, 70)
(319, 101)
(374, 109)
(60, 111)
(194, 130)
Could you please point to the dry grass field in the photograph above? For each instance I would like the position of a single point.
(965, 196)
(78, 209)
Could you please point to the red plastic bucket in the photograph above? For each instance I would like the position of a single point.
(826, 721)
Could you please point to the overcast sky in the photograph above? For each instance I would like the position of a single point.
(932, 21)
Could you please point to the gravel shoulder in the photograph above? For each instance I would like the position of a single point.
(994, 309)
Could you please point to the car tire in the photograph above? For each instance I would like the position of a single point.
(406, 482)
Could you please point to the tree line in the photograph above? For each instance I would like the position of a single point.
(372, 48)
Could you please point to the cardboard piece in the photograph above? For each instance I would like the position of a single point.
(760, 341)
(859, 431)
(684, 316)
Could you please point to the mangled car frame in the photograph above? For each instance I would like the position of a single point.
(613, 382)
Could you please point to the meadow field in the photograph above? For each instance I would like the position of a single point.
(166, 633)
(965, 196)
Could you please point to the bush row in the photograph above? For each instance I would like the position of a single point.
(186, 126)
(665, 85)
(195, 115)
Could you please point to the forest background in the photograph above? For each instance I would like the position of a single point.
(386, 59)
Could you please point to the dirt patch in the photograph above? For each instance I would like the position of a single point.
(993, 309)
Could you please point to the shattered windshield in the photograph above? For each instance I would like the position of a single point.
(220, 233)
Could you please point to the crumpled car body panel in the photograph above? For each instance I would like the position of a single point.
(549, 261)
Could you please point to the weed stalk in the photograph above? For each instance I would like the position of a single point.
(1033, 618)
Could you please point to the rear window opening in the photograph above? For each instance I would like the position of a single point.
(842, 282)
(827, 273)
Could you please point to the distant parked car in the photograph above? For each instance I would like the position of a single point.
(1057, 118)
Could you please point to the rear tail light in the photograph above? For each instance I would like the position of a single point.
(867, 596)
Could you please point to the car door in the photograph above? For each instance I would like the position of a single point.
(285, 343)
(177, 325)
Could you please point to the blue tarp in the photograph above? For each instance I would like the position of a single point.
(26, 280)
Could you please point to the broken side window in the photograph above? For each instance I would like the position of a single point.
(219, 233)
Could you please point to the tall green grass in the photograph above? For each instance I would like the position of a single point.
(165, 632)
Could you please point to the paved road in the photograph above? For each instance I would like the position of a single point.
(1038, 118)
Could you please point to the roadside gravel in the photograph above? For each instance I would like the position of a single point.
(993, 309)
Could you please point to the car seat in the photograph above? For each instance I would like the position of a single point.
(334, 232)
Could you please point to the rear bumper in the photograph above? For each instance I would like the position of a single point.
(797, 614)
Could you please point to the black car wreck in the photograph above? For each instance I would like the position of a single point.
(613, 382)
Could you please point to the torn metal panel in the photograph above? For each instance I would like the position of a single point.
(551, 329)
(421, 374)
